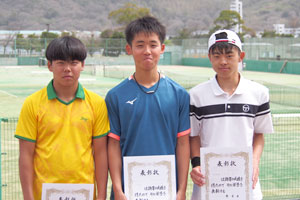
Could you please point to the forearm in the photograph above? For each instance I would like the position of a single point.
(101, 167)
(26, 169)
(26, 178)
(258, 146)
(195, 146)
(183, 158)
(196, 175)
(115, 164)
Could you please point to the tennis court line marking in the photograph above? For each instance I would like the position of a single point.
(8, 94)
(40, 72)
(287, 115)
(13, 67)
(87, 79)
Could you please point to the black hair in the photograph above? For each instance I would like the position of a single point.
(222, 47)
(66, 48)
(146, 25)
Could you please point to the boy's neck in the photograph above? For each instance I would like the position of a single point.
(230, 84)
(65, 93)
(146, 78)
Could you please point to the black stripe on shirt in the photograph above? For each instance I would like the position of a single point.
(225, 110)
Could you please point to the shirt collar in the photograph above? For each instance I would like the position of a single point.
(52, 94)
(217, 90)
(241, 86)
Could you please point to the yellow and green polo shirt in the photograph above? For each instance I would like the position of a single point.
(63, 134)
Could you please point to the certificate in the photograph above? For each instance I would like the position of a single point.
(150, 177)
(228, 173)
(63, 191)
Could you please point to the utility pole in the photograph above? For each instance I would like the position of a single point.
(48, 27)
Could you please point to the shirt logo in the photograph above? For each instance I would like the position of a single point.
(84, 119)
(246, 108)
(132, 101)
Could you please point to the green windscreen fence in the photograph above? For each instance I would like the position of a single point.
(279, 167)
(11, 187)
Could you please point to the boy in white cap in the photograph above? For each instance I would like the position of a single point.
(228, 110)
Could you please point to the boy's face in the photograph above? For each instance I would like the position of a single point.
(226, 63)
(146, 50)
(66, 73)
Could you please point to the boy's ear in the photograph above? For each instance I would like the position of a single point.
(82, 65)
(128, 49)
(242, 55)
(49, 64)
(208, 55)
(162, 48)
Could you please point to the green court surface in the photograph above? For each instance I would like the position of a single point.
(17, 82)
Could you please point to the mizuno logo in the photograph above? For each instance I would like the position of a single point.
(132, 101)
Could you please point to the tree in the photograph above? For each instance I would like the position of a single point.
(268, 34)
(20, 42)
(65, 33)
(7, 40)
(227, 20)
(46, 37)
(182, 34)
(107, 33)
(128, 13)
(113, 45)
(34, 43)
(118, 34)
(92, 44)
(294, 24)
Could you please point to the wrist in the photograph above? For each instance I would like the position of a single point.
(195, 161)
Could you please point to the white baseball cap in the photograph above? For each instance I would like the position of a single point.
(225, 36)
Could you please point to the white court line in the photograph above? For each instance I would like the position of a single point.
(40, 72)
(286, 115)
(87, 79)
(8, 94)
(13, 67)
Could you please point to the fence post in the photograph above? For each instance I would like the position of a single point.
(15, 50)
(0, 161)
(1, 186)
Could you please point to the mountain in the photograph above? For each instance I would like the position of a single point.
(92, 15)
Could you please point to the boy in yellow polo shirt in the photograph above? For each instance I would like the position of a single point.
(62, 128)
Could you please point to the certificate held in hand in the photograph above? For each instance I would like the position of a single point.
(150, 177)
(228, 173)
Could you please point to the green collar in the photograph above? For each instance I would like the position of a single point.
(52, 94)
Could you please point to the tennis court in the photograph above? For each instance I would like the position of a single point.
(280, 164)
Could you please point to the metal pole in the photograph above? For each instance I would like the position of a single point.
(15, 45)
(0, 162)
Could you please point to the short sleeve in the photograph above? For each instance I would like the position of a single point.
(184, 120)
(112, 108)
(101, 125)
(195, 119)
(27, 123)
(263, 119)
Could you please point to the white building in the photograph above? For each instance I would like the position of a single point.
(281, 29)
(237, 6)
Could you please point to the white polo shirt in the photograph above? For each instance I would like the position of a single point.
(229, 121)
